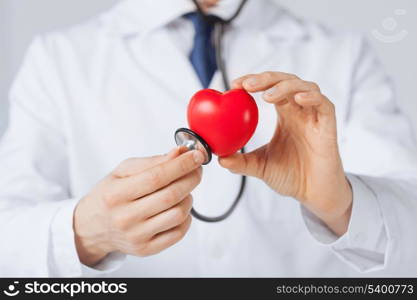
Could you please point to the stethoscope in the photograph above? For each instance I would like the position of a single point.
(191, 140)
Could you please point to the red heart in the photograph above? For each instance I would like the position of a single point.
(226, 121)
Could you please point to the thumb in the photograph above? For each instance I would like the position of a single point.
(135, 165)
(248, 164)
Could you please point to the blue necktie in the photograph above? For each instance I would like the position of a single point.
(203, 54)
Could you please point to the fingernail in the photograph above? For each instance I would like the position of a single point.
(198, 157)
(271, 92)
(251, 81)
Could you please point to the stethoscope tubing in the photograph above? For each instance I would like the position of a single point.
(220, 27)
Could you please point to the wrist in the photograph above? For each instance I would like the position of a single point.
(339, 223)
(90, 240)
(89, 252)
(337, 210)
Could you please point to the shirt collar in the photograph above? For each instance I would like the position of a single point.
(131, 17)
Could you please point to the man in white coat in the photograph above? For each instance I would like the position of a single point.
(85, 189)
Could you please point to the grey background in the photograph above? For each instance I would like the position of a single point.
(21, 19)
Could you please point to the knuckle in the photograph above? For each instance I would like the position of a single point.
(189, 201)
(186, 164)
(313, 85)
(141, 250)
(140, 213)
(178, 235)
(196, 178)
(110, 198)
(136, 239)
(154, 176)
(268, 75)
(179, 214)
(131, 239)
(127, 162)
(200, 174)
(332, 106)
(171, 196)
(285, 84)
(180, 232)
(121, 168)
(120, 223)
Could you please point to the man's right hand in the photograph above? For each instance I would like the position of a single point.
(141, 208)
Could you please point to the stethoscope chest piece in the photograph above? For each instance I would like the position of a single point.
(192, 141)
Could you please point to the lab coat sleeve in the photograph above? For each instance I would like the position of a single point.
(379, 154)
(34, 186)
(36, 205)
(362, 235)
(64, 257)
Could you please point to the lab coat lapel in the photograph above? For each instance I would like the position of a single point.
(246, 53)
(142, 26)
(157, 55)
(249, 47)
(240, 59)
(256, 43)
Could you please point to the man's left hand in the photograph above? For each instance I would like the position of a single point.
(302, 159)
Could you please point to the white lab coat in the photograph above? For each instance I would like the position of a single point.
(118, 85)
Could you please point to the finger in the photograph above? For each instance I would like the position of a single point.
(135, 165)
(181, 150)
(265, 80)
(169, 218)
(163, 199)
(166, 239)
(155, 178)
(286, 88)
(317, 100)
(237, 83)
(248, 164)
